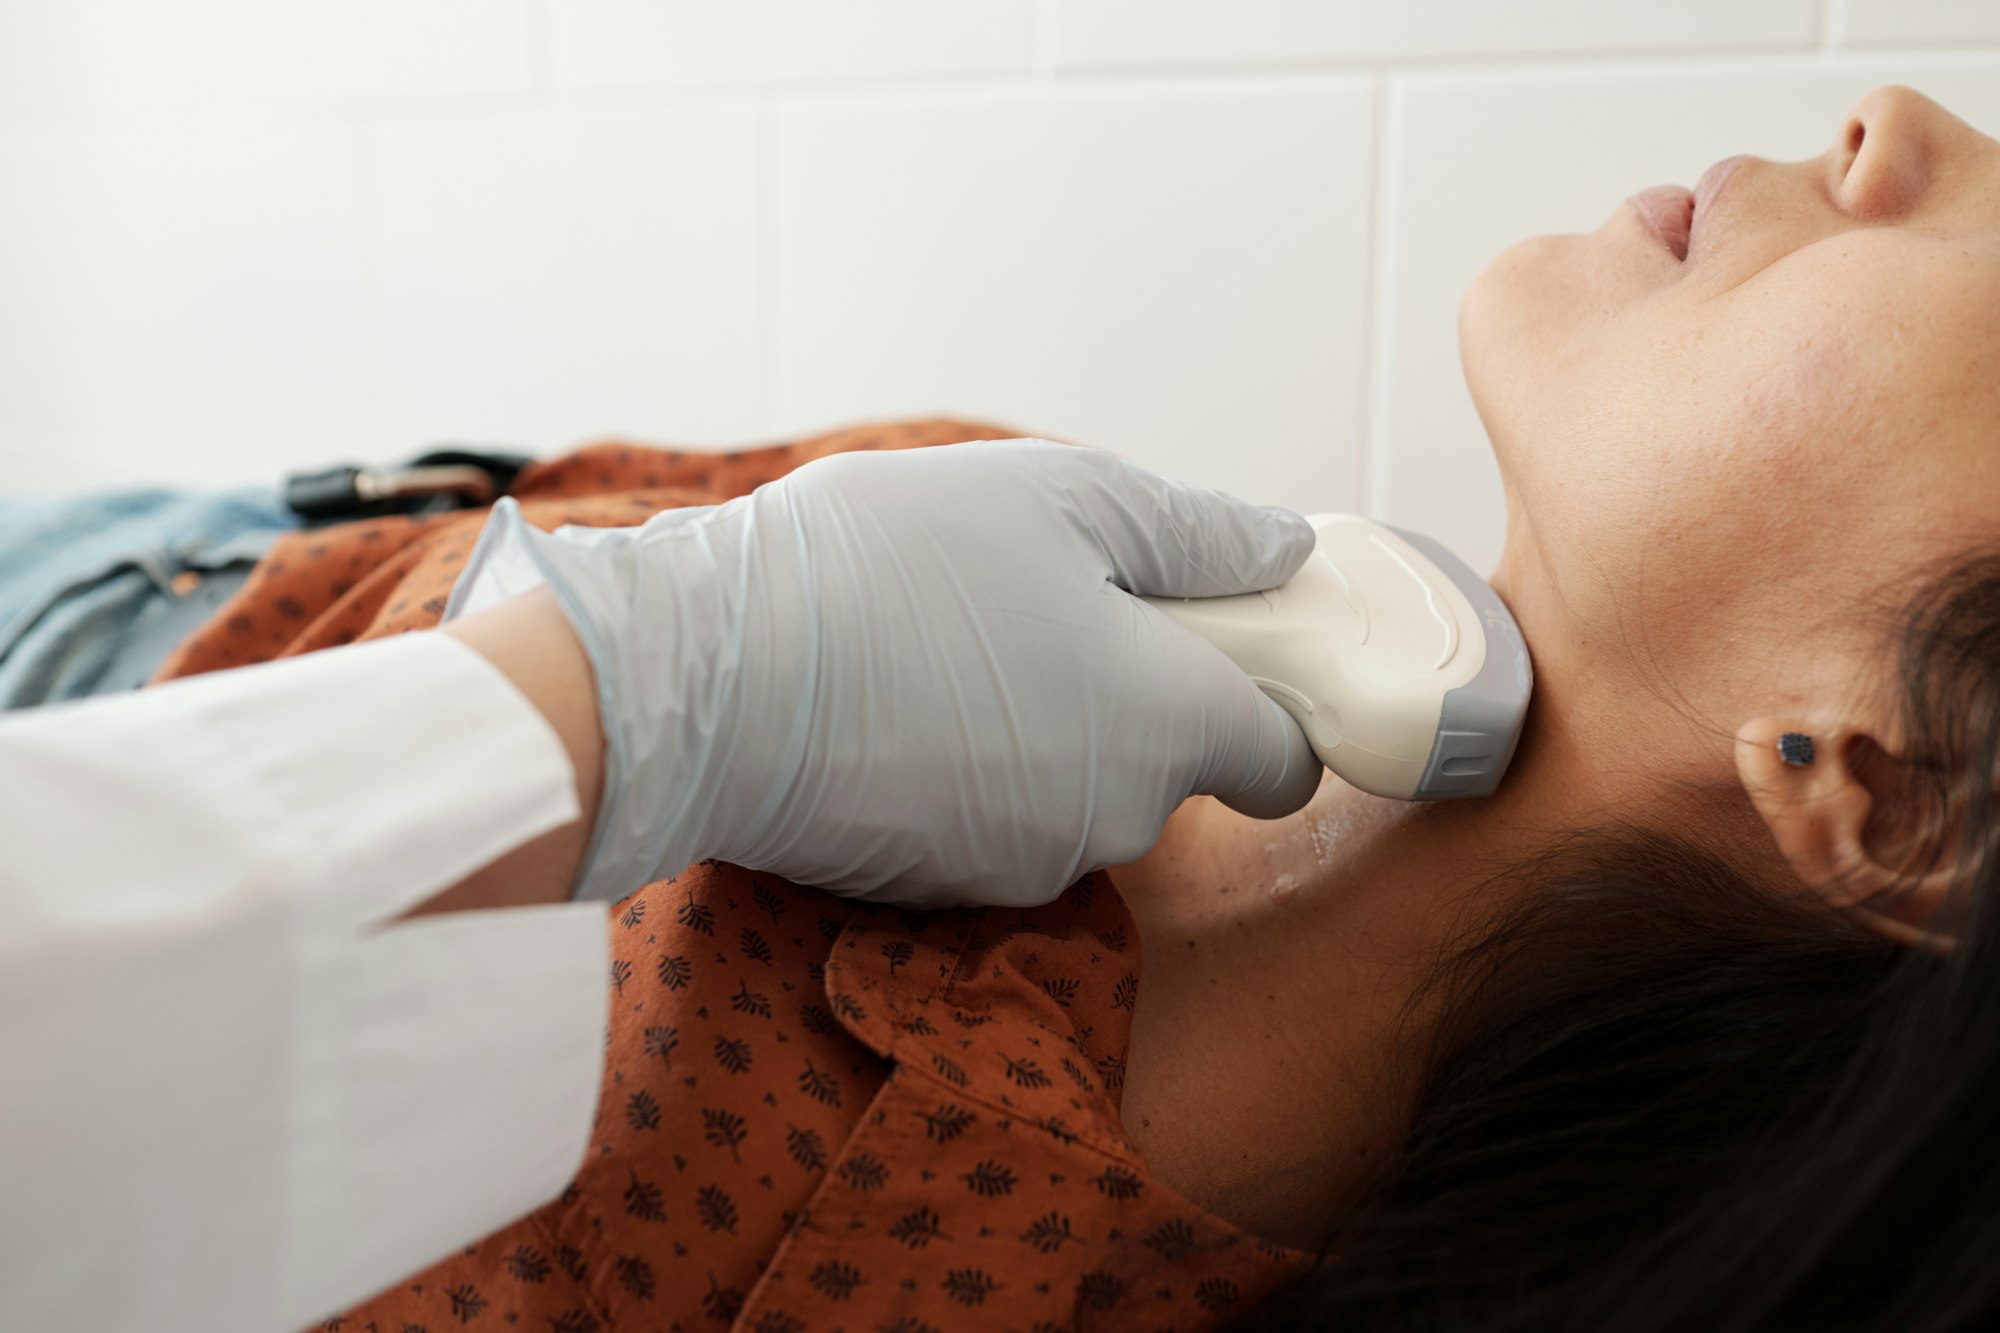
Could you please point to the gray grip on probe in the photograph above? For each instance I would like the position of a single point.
(1479, 723)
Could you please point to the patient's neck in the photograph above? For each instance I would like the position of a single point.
(1274, 1057)
(1271, 1070)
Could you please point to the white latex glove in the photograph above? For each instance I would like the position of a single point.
(919, 677)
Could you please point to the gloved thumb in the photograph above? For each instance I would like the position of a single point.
(1167, 539)
(1255, 758)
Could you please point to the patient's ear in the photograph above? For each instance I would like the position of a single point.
(1832, 819)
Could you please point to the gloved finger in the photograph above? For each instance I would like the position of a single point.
(1167, 539)
(1256, 759)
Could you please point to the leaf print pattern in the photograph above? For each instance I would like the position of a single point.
(1048, 1233)
(1217, 1295)
(947, 1122)
(835, 1280)
(747, 1001)
(767, 901)
(660, 1041)
(642, 1110)
(1099, 1290)
(724, 1129)
(1126, 993)
(989, 1179)
(732, 1054)
(696, 917)
(635, 1275)
(806, 1148)
(753, 947)
(1055, 1127)
(819, 1085)
(918, 1229)
(720, 1303)
(1172, 1239)
(1077, 1076)
(959, 1195)
(969, 1286)
(1118, 1183)
(466, 1302)
(1026, 1073)
(644, 1200)
(863, 1172)
(1049, 989)
(715, 1209)
(527, 1265)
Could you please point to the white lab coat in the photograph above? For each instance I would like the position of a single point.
(234, 1095)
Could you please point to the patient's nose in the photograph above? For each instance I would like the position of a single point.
(1886, 154)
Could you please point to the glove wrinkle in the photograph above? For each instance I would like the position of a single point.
(922, 678)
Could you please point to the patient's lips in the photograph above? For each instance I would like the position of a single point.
(1668, 212)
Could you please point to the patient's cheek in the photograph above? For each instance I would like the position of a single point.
(1787, 400)
(1804, 401)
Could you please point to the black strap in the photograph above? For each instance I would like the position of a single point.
(436, 482)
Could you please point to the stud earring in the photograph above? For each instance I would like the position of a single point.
(1795, 749)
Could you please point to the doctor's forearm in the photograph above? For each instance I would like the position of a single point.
(531, 643)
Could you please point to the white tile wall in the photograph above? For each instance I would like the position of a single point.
(94, 55)
(1170, 272)
(1228, 238)
(1196, 32)
(1942, 22)
(363, 50)
(644, 43)
(197, 288)
(542, 278)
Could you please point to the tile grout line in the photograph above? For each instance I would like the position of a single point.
(1159, 79)
(365, 142)
(772, 389)
(1041, 41)
(541, 51)
(1364, 374)
(1385, 186)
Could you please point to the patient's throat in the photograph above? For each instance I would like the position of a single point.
(1267, 1078)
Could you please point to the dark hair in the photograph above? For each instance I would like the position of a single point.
(1665, 1097)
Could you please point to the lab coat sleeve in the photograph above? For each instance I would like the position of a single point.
(235, 1093)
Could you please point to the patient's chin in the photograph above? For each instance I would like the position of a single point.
(1511, 320)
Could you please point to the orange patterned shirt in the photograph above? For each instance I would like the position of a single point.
(816, 1114)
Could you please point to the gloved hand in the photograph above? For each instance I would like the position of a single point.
(917, 676)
